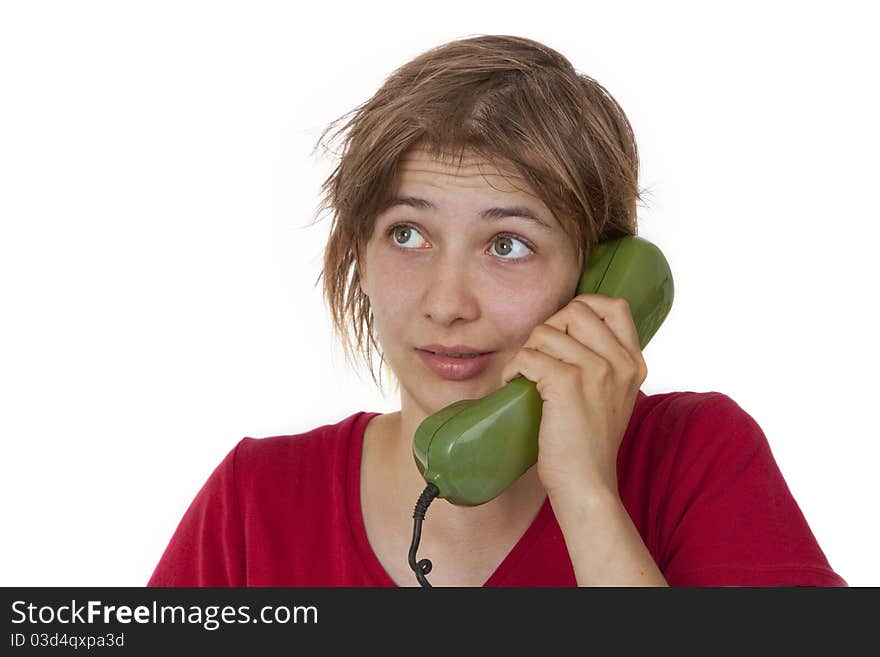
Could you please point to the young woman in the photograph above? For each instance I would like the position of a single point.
(470, 191)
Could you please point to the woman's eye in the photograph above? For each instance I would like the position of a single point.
(507, 242)
(401, 233)
(503, 245)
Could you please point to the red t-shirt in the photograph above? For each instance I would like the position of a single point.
(695, 473)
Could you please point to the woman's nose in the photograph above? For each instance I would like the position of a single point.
(450, 291)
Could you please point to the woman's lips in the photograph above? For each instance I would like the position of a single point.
(455, 369)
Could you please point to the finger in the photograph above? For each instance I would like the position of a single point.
(553, 341)
(551, 376)
(605, 325)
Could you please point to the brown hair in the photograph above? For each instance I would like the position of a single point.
(501, 97)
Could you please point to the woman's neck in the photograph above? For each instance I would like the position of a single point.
(390, 456)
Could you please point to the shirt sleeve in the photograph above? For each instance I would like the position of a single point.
(207, 549)
(730, 518)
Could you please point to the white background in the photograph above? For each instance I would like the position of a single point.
(158, 272)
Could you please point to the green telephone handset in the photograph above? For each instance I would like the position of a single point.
(473, 449)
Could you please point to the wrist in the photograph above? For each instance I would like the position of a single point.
(596, 487)
(577, 501)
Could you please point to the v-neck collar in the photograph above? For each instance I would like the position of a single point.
(378, 574)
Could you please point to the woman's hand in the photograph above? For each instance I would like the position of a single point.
(587, 366)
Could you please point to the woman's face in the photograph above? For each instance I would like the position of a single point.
(447, 265)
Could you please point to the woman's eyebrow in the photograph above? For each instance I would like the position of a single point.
(490, 214)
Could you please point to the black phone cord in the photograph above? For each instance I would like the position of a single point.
(422, 567)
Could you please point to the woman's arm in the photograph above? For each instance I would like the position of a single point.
(604, 546)
(207, 548)
(586, 363)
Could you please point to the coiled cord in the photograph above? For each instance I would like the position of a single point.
(423, 567)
